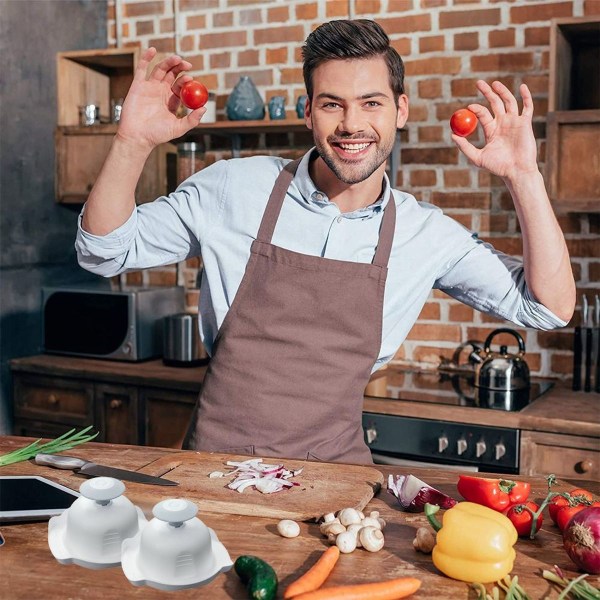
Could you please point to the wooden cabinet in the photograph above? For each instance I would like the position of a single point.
(116, 408)
(573, 124)
(567, 456)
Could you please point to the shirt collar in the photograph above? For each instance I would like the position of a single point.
(312, 195)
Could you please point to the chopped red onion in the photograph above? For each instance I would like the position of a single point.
(266, 478)
(413, 494)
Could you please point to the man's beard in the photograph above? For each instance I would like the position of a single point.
(365, 169)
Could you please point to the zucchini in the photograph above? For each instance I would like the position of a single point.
(258, 576)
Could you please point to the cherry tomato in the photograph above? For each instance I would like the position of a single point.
(463, 122)
(521, 518)
(566, 513)
(194, 94)
(580, 494)
(555, 505)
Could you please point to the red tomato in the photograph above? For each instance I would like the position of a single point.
(463, 122)
(194, 94)
(580, 494)
(555, 505)
(522, 518)
(566, 513)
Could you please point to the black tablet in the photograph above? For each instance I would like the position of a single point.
(32, 498)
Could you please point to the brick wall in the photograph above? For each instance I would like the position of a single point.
(446, 45)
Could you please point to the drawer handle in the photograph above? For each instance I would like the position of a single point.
(53, 399)
(584, 466)
(115, 404)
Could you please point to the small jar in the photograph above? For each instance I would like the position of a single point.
(190, 160)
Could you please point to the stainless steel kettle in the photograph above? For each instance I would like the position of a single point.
(501, 371)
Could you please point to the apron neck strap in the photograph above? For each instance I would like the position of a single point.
(278, 193)
(282, 183)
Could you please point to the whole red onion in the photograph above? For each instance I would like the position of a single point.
(581, 539)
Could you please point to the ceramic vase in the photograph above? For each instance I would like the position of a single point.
(244, 102)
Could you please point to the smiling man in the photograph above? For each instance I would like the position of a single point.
(315, 270)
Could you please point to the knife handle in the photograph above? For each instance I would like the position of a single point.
(577, 351)
(59, 462)
(587, 384)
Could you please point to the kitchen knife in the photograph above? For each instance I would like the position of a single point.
(93, 470)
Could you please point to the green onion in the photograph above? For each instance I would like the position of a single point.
(511, 588)
(64, 442)
(577, 588)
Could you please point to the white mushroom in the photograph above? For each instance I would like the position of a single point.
(347, 516)
(334, 527)
(371, 538)
(331, 539)
(424, 540)
(346, 542)
(371, 522)
(288, 528)
(355, 528)
(328, 517)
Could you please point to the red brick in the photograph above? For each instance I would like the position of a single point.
(494, 223)
(576, 268)
(144, 28)
(508, 245)
(469, 18)
(433, 3)
(250, 17)
(585, 248)
(163, 44)
(166, 25)
(262, 78)
(143, 9)
(223, 19)
(472, 200)
(402, 46)
(537, 36)
(291, 76)
(196, 22)
(433, 66)
(134, 278)
(594, 221)
(222, 60)
(408, 24)
(192, 298)
(278, 14)
(433, 43)
(430, 88)
(537, 84)
(591, 7)
(457, 178)
(430, 312)
(423, 178)
(512, 61)
(594, 271)
(293, 33)
(466, 41)
(561, 363)
(367, 7)
(248, 58)
(223, 39)
(185, 5)
(399, 5)
(418, 112)
(461, 313)
(437, 332)
(336, 8)
(501, 38)
(276, 55)
(443, 111)
(466, 220)
(557, 340)
(431, 133)
(162, 276)
(430, 156)
(307, 12)
(540, 12)
(187, 43)
(464, 88)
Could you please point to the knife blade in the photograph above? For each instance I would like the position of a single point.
(78, 465)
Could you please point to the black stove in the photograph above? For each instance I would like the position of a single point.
(395, 439)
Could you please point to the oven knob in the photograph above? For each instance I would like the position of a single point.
(442, 443)
(371, 434)
(461, 446)
(480, 448)
(500, 450)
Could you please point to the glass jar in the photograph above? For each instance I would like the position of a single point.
(190, 160)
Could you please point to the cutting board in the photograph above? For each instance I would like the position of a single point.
(324, 487)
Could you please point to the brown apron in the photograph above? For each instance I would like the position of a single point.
(295, 351)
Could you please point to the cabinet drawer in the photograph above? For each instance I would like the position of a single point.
(38, 429)
(168, 416)
(53, 399)
(566, 456)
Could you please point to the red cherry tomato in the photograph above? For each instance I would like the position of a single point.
(463, 122)
(555, 505)
(581, 495)
(566, 513)
(194, 94)
(522, 518)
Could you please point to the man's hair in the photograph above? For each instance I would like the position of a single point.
(348, 39)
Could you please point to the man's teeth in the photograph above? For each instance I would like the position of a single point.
(353, 147)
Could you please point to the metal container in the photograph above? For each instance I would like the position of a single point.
(182, 346)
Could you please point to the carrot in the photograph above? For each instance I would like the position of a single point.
(383, 590)
(316, 575)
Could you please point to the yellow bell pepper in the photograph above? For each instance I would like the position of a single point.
(474, 543)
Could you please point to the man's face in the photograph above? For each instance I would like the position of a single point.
(353, 116)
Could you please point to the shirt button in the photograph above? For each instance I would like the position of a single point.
(339, 219)
(319, 196)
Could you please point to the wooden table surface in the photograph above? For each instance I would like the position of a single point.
(30, 571)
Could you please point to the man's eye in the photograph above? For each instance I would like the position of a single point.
(331, 105)
(373, 103)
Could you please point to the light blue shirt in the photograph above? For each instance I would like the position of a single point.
(216, 213)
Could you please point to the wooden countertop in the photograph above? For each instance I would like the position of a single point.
(30, 570)
(559, 410)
